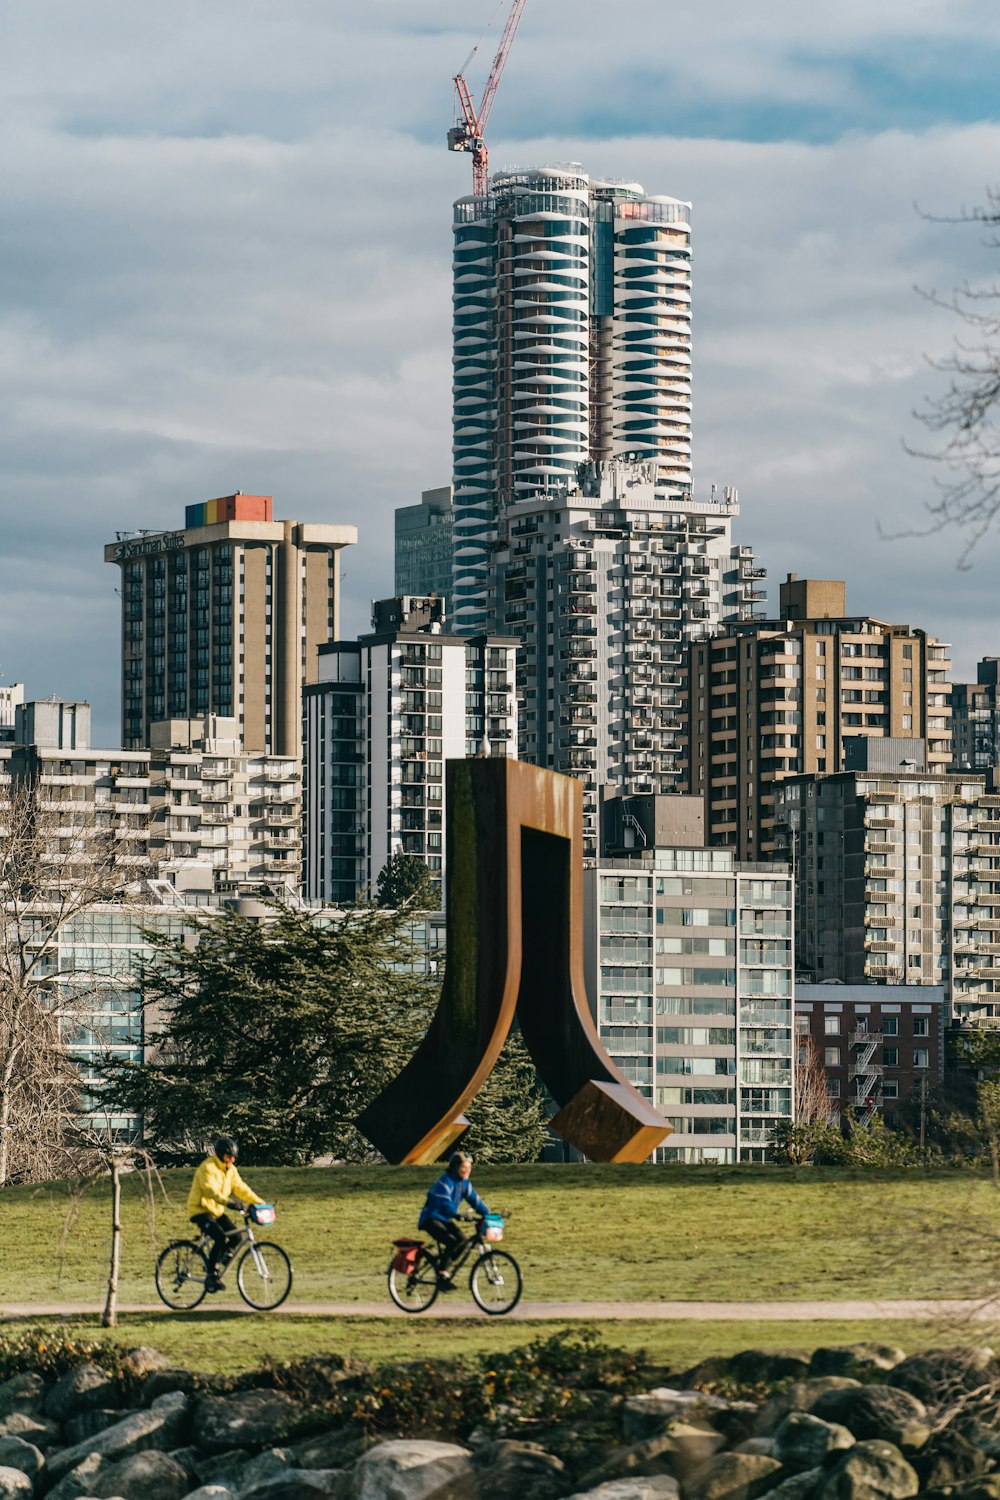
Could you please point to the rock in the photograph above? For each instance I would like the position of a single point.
(79, 1481)
(948, 1458)
(162, 1382)
(267, 1465)
(649, 1487)
(877, 1411)
(412, 1470)
(82, 1389)
(730, 1476)
(310, 1484)
(87, 1424)
(22, 1393)
(869, 1471)
(33, 1429)
(15, 1484)
(683, 1447)
(142, 1430)
(763, 1366)
(797, 1486)
(763, 1445)
(647, 1415)
(941, 1374)
(144, 1476)
(987, 1488)
(15, 1453)
(336, 1449)
(863, 1361)
(143, 1361)
(252, 1419)
(804, 1441)
(509, 1470)
(211, 1492)
(221, 1468)
(801, 1395)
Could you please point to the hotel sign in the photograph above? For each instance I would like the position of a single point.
(146, 546)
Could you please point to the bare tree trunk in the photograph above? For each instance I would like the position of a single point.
(110, 1318)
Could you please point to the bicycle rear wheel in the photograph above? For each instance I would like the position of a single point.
(182, 1275)
(264, 1276)
(495, 1282)
(414, 1292)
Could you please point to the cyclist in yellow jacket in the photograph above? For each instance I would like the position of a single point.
(215, 1182)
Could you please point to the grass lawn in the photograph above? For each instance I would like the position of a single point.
(229, 1342)
(594, 1232)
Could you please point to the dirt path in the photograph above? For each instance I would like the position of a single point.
(679, 1312)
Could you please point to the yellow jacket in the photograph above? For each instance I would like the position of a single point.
(213, 1186)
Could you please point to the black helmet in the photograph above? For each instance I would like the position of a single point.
(226, 1146)
(456, 1160)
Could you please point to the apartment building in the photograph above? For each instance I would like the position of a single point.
(571, 343)
(223, 616)
(386, 713)
(898, 882)
(605, 586)
(195, 811)
(423, 538)
(975, 712)
(878, 1044)
(690, 964)
(771, 699)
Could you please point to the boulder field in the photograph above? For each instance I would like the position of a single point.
(860, 1422)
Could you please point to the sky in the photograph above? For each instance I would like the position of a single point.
(225, 239)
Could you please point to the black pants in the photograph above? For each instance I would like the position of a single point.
(449, 1237)
(223, 1233)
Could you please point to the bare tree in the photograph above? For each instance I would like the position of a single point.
(57, 862)
(965, 416)
(811, 1102)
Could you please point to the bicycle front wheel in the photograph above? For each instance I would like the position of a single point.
(414, 1292)
(264, 1276)
(182, 1275)
(495, 1282)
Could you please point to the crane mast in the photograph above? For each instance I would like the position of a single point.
(469, 131)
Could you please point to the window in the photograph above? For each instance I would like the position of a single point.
(921, 1057)
(921, 1026)
(831, 1025)
(890, 1089)
(890, 1025)
(831, 1057)
(890, 1057)
(833, 1088)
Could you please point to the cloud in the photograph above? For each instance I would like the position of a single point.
(225, 263)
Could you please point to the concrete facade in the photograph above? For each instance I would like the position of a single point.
(223, 616)
(898, 882)
(776, 698)
(975, 708)
(689, 964)
(605, 586)
(386, 713)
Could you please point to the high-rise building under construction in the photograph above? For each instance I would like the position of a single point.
(572, 343)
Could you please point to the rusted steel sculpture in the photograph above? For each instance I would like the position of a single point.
(515, 945)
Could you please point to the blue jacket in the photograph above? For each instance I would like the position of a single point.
(446, 1197)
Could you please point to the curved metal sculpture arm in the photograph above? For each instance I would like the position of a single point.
(515, 945)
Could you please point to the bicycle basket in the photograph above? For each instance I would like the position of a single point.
(493, 1228)
(406, 1254)
(263, 1213)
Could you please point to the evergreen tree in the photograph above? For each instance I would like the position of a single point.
(278, 1032)
(507, 1117)
(405, 880)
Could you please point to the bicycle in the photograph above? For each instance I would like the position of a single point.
(494, 1281)
(263, 1270)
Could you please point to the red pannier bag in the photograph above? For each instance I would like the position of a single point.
(406, 1255)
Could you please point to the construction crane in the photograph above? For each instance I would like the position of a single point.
(469, 133)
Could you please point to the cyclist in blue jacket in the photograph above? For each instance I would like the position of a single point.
(445, 1198)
